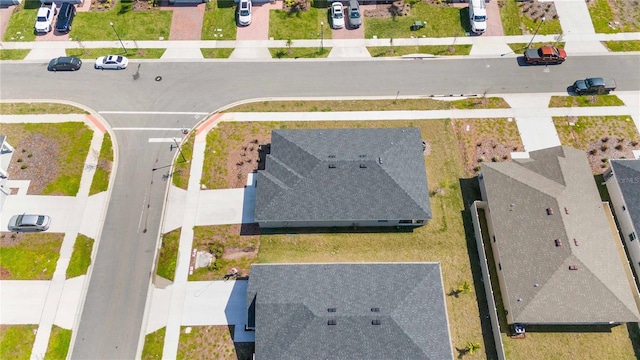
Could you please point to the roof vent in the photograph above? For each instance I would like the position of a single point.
(331, 309)
(332, 166)
(566, 211)
(379, 160)
(332, 156)
(331, 322)
(575, 242)
(363, 166)
(375, 309)
(549, 211)
(573, 267)
(376, 322)
(363, 156)
(558, 242)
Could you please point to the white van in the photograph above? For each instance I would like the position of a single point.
(477, 16)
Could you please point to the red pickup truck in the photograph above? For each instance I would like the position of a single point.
(545, 55)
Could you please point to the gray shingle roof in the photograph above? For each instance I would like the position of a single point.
(540, 287)
(628, 176)
(292, 303)
(343, 174)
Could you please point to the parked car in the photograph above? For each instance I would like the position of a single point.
(337, 15)
(595, 86)
(244, 12)
(65, 17)
(353, 12)
(29, 223)
(64, 63)
(545, 55)
(44, 18)
(114, 62)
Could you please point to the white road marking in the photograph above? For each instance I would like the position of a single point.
(144, 129)
(156, 140)
(153, 112)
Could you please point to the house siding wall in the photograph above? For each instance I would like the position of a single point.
(347, 223)
(624, 220)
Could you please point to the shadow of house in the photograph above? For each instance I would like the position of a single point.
(331, 311)
(343, 178)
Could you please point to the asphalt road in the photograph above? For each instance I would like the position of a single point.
(113, 311)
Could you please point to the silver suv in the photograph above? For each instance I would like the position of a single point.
(353, 12)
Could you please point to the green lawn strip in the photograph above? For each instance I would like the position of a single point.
(514, 22)
(219, 21)
(520, 47)
(16, 341)
(22, 21)
(182, 164)
(438, 50)
(216, 53)
(285, 25)
(38, 109)
(168, 257)
(589, 129)
(601, 16)
(81, 256)
(585, 101)
(93, 53)
(442, 240)
(58, 344)
(153, 345)
(294, 53)
(34, 257)
(630, 45)
(100, 181)
(442, 21)
(371, 105)
(217, 240)
(17, 54)
(129, 24)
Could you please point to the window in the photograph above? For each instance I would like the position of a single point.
(632, 236)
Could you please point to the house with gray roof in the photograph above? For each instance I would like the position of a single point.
(348, 311)
(343, 177)
(623, 184)
(557, 254)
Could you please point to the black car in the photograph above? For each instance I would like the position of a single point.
(64, 63)
(65, 17)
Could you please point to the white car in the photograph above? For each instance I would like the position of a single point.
(244, 12)
(337, 15)
(115, 62)
(44, 19)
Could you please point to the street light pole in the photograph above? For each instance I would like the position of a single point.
(535, 33)
(321, 36)
(118, 35)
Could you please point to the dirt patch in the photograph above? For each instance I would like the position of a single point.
(212, 342)
(383, 11)
(599, 152)
(626, 14)
(245, 160)
(35, 159)
(536, 10)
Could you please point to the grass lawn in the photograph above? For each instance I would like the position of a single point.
(153, 345)
(38, 108)
(17, 54)
(100, 181)
(219, 21)
(284, 25)
(169, 254)
(589, 129)
(212, 342)
(515, 23)
(22, 21)
(631, 45)
(294, 53)
(130, 25)
(90, 53)
(601, 15)
(371, 105)
(442, 21)
(32, 257)
(73, 140)
(58, 344)
(181, 168)
(216, 53)
(81, 256)
(623, 16)
(589, 100)
(438, 50)
(16, 341)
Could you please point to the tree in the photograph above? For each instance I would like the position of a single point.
(472, 347)
(465, 287)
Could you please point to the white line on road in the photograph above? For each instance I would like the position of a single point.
(145, 129)
(157, 140)
(153, 112)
